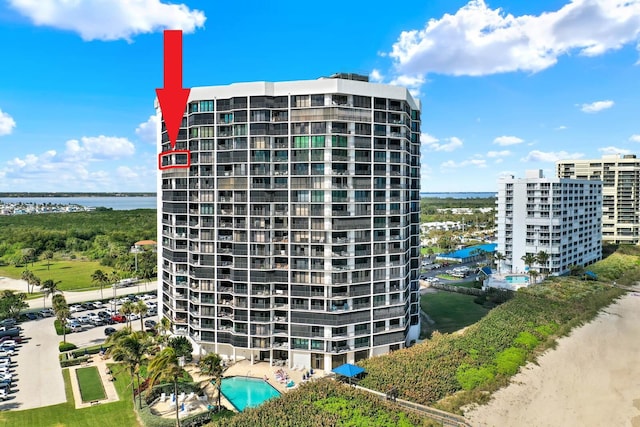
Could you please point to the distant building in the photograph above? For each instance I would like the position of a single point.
(559, 216)
(620, 176)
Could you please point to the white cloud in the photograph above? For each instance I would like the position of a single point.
(634, 138)
(451, 164)
(146, 131)
(613, 150)
(6, 123)
(596, 106)
(494, 154)
(508, 140)
(477, 40)
(110, 19)
(561, 127)
(376, 77)
(99, 148)
(550, 156)
(433, 144)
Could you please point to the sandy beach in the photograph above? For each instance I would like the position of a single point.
(592, 378)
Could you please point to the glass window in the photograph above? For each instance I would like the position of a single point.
(317, 100)
(206, 106)
(317, 141)
(300, 142)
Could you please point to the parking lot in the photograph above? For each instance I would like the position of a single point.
(35, 368)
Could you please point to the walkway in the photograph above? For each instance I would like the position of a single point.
(109, 388)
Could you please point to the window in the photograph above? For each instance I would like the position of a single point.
(317, 100)
(300, 101)
(318, 127)
(206, 106)
(193, 107)
(317, 141)
(206, 132)
(339, 141)
(300, 142)
(260, 116)
(317, 196)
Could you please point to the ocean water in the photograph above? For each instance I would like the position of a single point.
(115, 203)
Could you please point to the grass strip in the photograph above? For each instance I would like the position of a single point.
(90, 384)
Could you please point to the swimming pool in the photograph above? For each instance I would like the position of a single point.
(517, 280)
(247, 392)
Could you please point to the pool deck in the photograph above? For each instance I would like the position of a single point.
(241, 368)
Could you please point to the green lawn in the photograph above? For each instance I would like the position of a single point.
(73, 275)
(90, 383)
(451, 311)
(116, 414)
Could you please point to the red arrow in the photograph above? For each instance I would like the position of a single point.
(173, 97)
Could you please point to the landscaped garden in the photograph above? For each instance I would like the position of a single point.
(90, 384)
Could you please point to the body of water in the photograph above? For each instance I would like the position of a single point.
(115, 203)
(470, 195)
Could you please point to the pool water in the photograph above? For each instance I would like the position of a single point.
(246, 392)
(520, 280)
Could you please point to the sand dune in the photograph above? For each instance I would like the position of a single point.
(592, 378)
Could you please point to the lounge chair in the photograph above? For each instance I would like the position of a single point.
(190, 396)
(163, 397)
(182, 397)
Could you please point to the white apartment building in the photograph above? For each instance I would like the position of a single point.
(294, 233)
(620, 176)
(559, 216)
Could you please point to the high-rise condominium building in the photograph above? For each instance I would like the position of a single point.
(293, 235)
(620, 176)
(558, 216)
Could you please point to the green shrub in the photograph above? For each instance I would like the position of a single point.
(526, 340)
(471, 377)
(508, 362)
(58, 326)
(546, 330)
(94, 349)
(73, 362)
(66, 346)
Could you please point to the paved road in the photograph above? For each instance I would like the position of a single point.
(37, 374)
(74, 297)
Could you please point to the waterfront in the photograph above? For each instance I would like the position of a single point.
(460, 195)
(115, 203)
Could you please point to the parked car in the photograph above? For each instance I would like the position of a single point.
(8, 323)
(47, 312)
(9, 343)
(76, 327)
(97, 304)
(75, 308)
(109, 330)
(133, 316)
(96, 321)
(88, 305)
(150, 324)
(17, 339)
(31, 316)
(118, 318)
(84, 319)
(4, 393)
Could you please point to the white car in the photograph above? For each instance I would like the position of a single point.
(75, 308)
(6, 352)
(97, 304)
(133, 316)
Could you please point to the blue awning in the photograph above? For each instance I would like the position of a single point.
(591, 275)
(348, 370)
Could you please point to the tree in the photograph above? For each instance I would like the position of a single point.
(28, 254)
(48, 255)
(533, 274)
(163, 327)
(61, 310)
(529, 260)
(35, 282)
(11, 303)
(141, 309)
(49, 288)
(182, 345)
(101, 279)
(166, 366)
(542, 258)
(498, 257)
(211, 366)
(28, 277)
(131, 349)
(126, 309)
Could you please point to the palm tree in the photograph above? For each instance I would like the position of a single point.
(498, 257)
(141, 309)
(48, 255)
(211, 366)
(166, 366)
(28, 277)
(126, 309)
(534, 275)
(542, 258)
(131, 349)
(61, 310)
(49, 287)
(529, 260)
(98, 277)
(35, 282)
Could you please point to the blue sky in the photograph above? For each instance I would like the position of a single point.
(505, 86)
